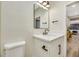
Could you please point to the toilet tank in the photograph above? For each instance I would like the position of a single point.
(16, 49)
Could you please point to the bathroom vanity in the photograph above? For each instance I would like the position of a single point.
(45, 44)
(48, 45)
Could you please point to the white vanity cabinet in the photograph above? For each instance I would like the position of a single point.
(54, 48)
(57, 47)
(38, 50)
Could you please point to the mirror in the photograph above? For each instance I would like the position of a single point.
(40, 16)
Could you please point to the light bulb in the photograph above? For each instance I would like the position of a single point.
(47, 6)
(40, 1)
(44, 3)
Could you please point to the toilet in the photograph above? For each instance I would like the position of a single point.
(16, 49)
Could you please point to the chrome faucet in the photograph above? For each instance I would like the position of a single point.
(45, 31)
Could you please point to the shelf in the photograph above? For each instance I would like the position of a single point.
(74, 22)
(75, 17)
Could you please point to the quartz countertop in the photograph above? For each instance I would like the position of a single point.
(48, 38)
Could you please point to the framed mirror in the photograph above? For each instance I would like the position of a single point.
(40, 16)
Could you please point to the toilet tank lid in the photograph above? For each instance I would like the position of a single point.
(14, 45)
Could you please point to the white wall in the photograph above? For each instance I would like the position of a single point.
(73, 11)
(17, 23)
(0, 28)
(58, 12)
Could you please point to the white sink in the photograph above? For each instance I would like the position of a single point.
(48, 37)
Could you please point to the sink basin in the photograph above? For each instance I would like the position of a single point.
(48, 37)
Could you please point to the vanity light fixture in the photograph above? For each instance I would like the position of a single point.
(45, 3)
(42, 6)
(40, 1)
(48, 5)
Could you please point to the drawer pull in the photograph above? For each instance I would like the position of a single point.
(44, 47)
(59, 49)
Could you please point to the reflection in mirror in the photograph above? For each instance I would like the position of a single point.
(40, 16)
